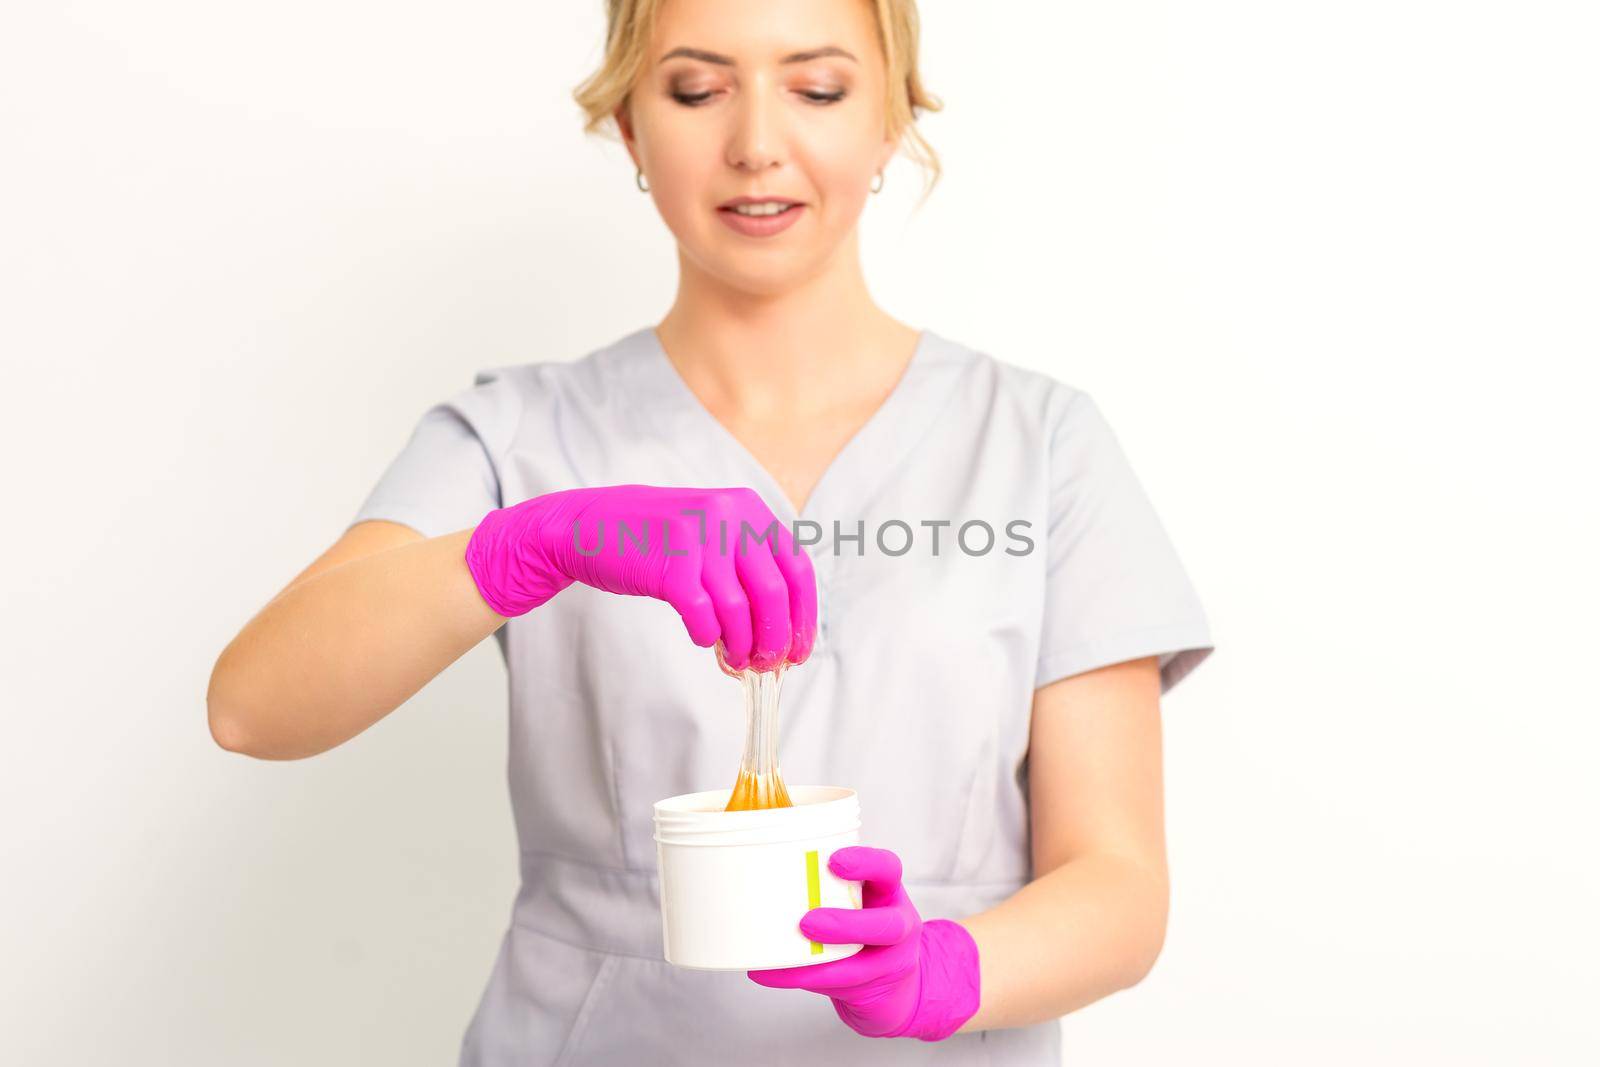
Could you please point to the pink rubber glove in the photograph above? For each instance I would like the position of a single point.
(688, 547)
(911, 978)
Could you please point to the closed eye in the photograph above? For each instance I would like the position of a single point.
(696, 99)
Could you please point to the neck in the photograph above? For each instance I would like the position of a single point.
(796, 351)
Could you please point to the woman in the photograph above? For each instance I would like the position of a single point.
(994, 699)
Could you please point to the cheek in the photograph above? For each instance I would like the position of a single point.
(841, 182)
(841, 164)
(675, 148)
(681, 175)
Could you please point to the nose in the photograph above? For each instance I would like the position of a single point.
(756, 139)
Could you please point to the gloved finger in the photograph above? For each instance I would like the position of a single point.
(799, 575)
(766, 589)
(852, 926)
(728, 599)
(822, 977)
(877, 869)
(682, 589)
(768, 594)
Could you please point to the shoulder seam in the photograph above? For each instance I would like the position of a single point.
(508, 376)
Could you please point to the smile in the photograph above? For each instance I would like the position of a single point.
(760, 218)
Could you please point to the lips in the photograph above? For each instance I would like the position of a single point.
(736, 201)
(761, 225)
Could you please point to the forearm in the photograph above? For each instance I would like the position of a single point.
(1088, 928)
(334, 653)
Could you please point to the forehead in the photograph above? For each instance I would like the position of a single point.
(757, 32)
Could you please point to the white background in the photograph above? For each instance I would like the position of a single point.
(1330, 270)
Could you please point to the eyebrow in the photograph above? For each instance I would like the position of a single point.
(727, 61)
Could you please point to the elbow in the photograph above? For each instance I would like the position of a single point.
(223, 722)
(1149, 936)
(249, 716)
(227, 718)
(233, 732)
(229, 729)
(1141, 959)
(237, 728)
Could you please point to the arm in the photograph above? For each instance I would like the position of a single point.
(384, 611)
(350, 639)
(1091, 922)
(1093, 919)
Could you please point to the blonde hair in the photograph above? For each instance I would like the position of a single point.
(629, 24)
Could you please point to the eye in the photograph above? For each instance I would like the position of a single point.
(696, 99)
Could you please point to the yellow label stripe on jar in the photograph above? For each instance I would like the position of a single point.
(813, 891)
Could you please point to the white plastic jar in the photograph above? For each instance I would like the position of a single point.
(734, 884)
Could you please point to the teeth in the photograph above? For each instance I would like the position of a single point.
(768, 208)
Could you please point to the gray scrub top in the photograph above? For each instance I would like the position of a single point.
(917, 696)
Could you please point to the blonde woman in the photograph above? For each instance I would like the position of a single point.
(980, 603)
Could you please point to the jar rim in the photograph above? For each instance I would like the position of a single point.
(700, 818)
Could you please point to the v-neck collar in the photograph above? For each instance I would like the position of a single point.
(664, 400)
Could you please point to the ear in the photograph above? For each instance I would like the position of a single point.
(625, 125)
(891, 145)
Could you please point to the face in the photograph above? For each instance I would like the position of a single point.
(763, 98)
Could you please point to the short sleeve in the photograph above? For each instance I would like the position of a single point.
(1115, 587)
(446, 477)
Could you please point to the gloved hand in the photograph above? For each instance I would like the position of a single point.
(754, 588)
(911, 979)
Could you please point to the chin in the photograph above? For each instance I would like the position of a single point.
(755, 271)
